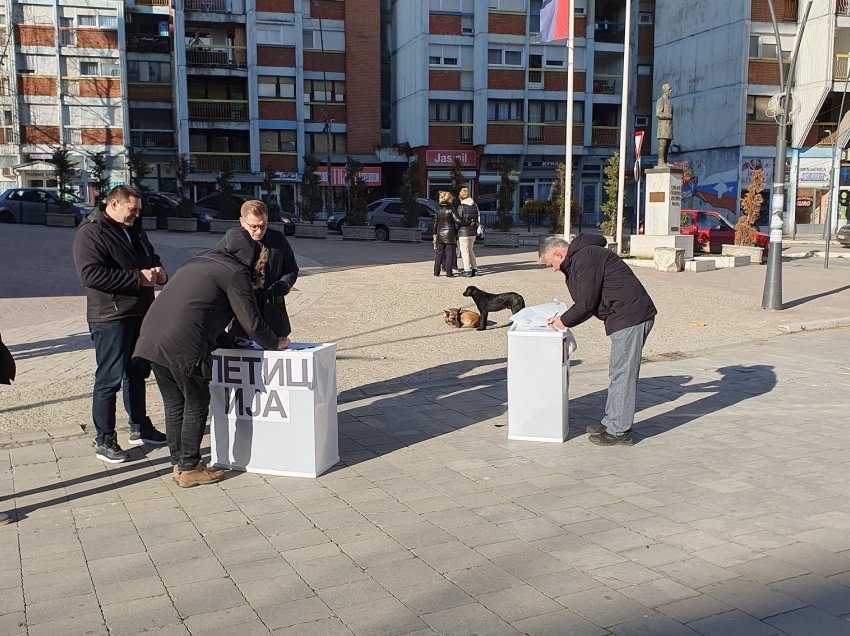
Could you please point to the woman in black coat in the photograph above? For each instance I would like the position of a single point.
(445, 235)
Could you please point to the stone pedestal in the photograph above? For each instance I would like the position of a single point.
(663, 209)
(669, 259)
(643, 246)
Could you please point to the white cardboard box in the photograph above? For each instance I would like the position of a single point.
(538, 384)
(275, 412)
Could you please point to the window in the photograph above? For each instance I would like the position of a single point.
(321, 91)
(319, 144)
(316, 40)
(555, 56)
(154, 72)
(504, 57)
(7, 117)
(107, 21)
(644, 69)
(534, 16)
(504, 110)
(272, 86)
(644, 17)
(467, 24)
(86, 20)
(508, 5)
(277, 141)
(709, 222)
(763, 48)
(110, 69)
(274, 34)
(756, 105)
(450, 111)
(443, 55)
(88, 68)
(641, 121)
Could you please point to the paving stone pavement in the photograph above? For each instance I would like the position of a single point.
(728, 516)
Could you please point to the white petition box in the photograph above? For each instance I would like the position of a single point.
(275, 412)
(538, 382)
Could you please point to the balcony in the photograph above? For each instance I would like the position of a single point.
(842, 7)
(71, 87)
(151, 3)
(535, 133)
(610, 32)
(7, 135)
(215, 6)
(149, 91)
(606, 136)
(148, 138)
(218, 110)
(73, 135)
(841, 68)
(535, 78)
(217, 56)
(466, 134)
(216, 161)
(148, 43)
(67, 37)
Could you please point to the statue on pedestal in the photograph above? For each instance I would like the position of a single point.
(664, 113)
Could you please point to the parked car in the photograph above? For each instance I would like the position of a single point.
(336, 220)
(165, 204)
(214, 202)
(386, 213)
(843, 235)
(31, 205)
(711, 230)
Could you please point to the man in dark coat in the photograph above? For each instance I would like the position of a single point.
(183, 327)
(119, 268)
(281, 272)
(602, 285)
(7, 365)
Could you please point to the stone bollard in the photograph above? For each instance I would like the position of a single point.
(669, 259)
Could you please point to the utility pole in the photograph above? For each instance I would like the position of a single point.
(772, 296)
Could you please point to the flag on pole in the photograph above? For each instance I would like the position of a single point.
(554, 20)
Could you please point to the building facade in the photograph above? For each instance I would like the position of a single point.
(724, 72)
(246, 87)
(471, 80)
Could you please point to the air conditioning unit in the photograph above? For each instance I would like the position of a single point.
(8, 172)
(641, 122)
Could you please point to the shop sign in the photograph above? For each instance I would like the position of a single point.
(803, 202)
(370, 174)
(446, 158)
(286, 176)
(814, 175)
(540, 164)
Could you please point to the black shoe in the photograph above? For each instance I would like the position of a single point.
(595, 429)
(474, 273)
(150, 436)
(436, 274)
(606, 439)
(450, 275)
(111, 452)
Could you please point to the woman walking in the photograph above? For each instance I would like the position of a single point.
(467, 230)
(445, 235)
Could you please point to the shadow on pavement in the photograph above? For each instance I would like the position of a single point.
(806, 299)
(28, 350)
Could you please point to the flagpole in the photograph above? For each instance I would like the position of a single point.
(568, 146)
(624, 125)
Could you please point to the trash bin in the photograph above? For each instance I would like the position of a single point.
(538, 382)
(275, 412)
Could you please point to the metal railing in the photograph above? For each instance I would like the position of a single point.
(216, 55)
(67, 37)
(73, 135)
(535, 133)
(605, 136)
(152, 3)
(466, 133)
(604, 84)
(841, 69)
(219, 110)
(216, 162)
(842, 7)
(71, 87)
(535, 78)
(149, 138)
(215, 6)
(148, 43)
(611, 32)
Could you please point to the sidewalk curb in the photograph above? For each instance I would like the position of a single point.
(815, 325)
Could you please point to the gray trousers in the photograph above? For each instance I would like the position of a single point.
(623, 372)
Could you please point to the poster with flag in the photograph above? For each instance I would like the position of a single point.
(554, 20)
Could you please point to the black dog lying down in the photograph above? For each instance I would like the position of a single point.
(493, 302)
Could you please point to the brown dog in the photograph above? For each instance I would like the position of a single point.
(461, 318)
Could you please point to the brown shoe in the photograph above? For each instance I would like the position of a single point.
(199, 476)
(175, 473)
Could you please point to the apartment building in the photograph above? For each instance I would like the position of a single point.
(61, 83)
(471, 80)
(245, 86)
(723, 69)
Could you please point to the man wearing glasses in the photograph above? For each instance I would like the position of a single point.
(281, 272)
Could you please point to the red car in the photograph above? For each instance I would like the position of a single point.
(711, 230)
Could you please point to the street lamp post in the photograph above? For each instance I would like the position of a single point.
(772, 296)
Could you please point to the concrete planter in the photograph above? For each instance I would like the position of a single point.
(406, 234)
(492, 238)
(180, 224)
(311, 230)
(358, 232)
(148, 223)
(754, 253)
(59, 219)
(723, 262)
(221, 225)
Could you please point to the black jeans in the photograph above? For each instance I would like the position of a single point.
(114, 343)
(445, 255)
(186, 399)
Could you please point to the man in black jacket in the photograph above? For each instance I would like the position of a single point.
(183, 327)
(281, 271)
(602, 285)
(118, 267)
